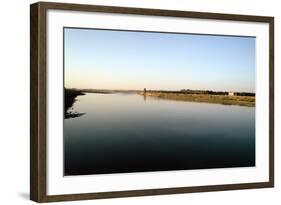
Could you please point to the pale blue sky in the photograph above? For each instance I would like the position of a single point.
(106, 59)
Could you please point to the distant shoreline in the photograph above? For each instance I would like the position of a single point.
(214, 97)
(248, 101)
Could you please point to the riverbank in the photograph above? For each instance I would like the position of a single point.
(248, 101)
(69, 99)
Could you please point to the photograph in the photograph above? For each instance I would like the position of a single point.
(146, 101)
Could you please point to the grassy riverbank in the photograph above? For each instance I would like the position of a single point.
(248, 101)
(216, 97)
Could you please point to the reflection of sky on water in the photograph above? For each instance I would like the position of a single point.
(126, 133)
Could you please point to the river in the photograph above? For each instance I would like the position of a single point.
(122, 133)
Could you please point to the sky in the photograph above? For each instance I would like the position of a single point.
(110, 59)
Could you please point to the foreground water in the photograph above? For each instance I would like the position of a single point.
(122, 133)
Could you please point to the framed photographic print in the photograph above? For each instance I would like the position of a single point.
(134, 102)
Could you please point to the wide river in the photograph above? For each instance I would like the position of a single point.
(122, 133)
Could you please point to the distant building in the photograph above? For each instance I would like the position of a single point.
(231, 93)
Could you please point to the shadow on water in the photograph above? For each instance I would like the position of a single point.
(69, 100)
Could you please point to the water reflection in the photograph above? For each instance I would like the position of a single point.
(144, 97)
(70, 114)
(132, 133)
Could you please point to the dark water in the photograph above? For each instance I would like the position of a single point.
(126, 133)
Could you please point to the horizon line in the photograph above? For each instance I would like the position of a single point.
(158, 90)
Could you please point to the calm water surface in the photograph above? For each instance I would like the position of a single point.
(129, 133)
